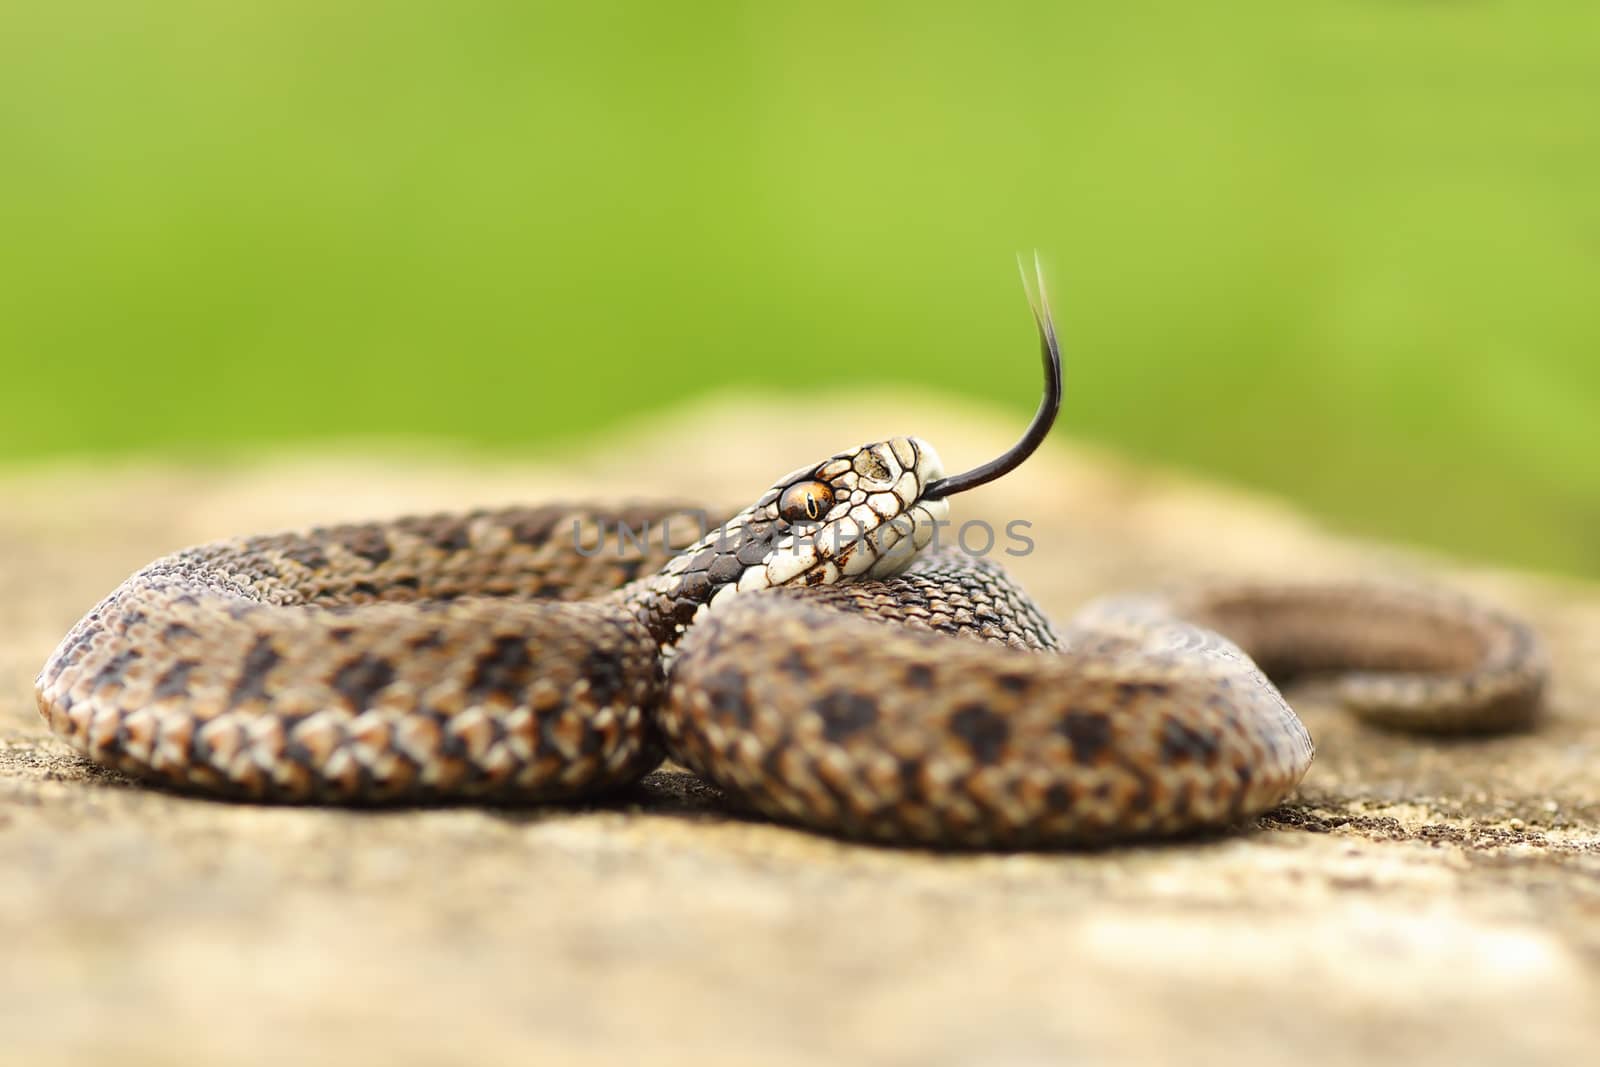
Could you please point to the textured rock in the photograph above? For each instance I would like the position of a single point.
(1438, 900)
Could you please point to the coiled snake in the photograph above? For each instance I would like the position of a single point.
(808, 656)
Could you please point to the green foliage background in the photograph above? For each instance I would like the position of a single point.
(1343, 249)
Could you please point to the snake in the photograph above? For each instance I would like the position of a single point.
(818, 656)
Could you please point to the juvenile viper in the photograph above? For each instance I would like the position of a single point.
(806, 656)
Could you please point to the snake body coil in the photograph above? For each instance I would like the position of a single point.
(807, 655)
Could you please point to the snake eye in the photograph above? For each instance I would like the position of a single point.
(805, 501)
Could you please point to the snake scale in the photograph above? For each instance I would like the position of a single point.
(816, 656)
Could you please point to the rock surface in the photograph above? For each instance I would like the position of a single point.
(1433, 900)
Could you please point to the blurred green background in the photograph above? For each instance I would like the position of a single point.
(1347, 250)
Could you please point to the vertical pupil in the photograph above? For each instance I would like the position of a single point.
(805, 501)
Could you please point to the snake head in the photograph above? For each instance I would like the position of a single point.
(861, 513)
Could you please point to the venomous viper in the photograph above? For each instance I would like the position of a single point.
(807, 656)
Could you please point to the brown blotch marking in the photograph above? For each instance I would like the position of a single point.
(1183, 800)
(369, 543)
(1144, 797)
(307, 555)
(984, 731)
(431, 639)
(559, 730)
(919, 676)
(725, 689)
(910, 771)
(603, 669)
(176, 630)
(299, 753)
(115, 667)
(448, 536)
(341, 634)
(252, 684)
(844, 713)
(1128, 692)
(452, 745)
(366, 589)
(795, 664)
(1180, 743)
(1089, 734)
(505, 670)
(772, 761)
(534, 530)
(175, 682)
(361, 678)
(1013, 683)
